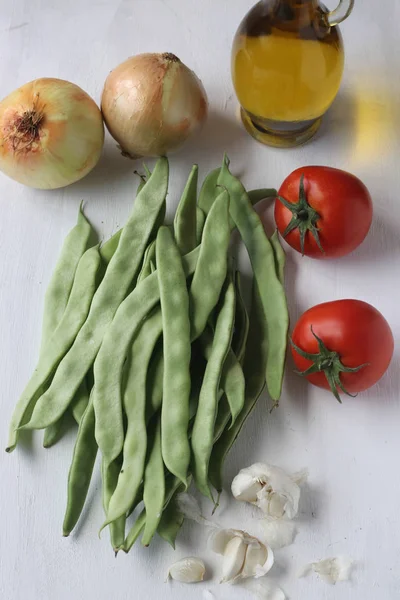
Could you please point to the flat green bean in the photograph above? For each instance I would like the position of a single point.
(209, 191)
(171, 522)
(256, 196)
(60, 286)
(127, 321)
(134, 402)
(149, 256)
(80, 401)
(135, 531)
(174, 302)
(241, 321)
(200, 220)
(254, 369)
(263, 263)
(154, 487)
(233, 384)
(54, 433)
(185, 216)
(111, 292)
(57, 296)
(204, 423)
(74, 317)
(279, 255)
(232, 381)
(212, 266)
(154, 383)
(108, 249)
(109, 476)
(80, 472)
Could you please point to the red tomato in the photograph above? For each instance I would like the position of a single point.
(353, 334)
(334, 208)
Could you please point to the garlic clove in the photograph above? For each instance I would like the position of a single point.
(220, 538)
(234, 557)
(187, 570)
(245, 488)
(277, 495)
(256, 556)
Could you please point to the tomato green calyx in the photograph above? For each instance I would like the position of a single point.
(304, 218)
(328, 362)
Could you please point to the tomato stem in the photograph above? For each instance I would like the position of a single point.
(304, 218)
(328, 362)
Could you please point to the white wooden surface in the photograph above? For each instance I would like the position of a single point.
(351, 505)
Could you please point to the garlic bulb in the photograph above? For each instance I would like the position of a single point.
(244, 556)
(187, 570)
(269, 488)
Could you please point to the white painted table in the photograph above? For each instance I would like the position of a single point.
(351, 505)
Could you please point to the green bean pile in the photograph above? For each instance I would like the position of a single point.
(147, 342)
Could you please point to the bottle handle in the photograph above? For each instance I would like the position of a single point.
(340, 13)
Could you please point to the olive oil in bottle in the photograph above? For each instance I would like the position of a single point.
(287, 65)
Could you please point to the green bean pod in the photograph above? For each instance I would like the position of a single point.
(108, 249)
(212, 265)
(271, 290)
(254, 369)
(154, 487)
(116, 343)
(134, 401)
(154, 383)
(109, 476)
(57, 294)
(279, 255)
(204, 423)
(185, 216)
(174, 301)
(200, 221)
(81, 469)
(149, 256)
(209, 191)
(134, 532)
(241, 321)
(109, 296)
(54, 433)
(256, 196)
(171, 522)
(74, 317)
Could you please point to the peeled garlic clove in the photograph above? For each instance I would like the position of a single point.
(256, 556)
(234, 556)
(188, 570)
(220, 538)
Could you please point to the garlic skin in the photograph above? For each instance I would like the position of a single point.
(244, 556)
(330, 570)
(270, 488)
(187, 570)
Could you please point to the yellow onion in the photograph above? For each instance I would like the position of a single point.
(152, 103)
(51, 133)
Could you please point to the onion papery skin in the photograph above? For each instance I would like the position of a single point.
(51, 134)
(152, 103)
